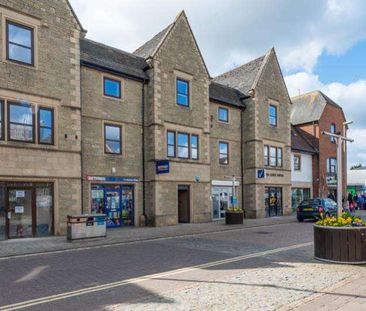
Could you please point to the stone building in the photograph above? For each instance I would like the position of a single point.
(314, 113)
(40, 120)
(145, 137)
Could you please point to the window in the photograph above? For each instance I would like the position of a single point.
(297, 163)
(112, 137)
(266, 158)
(272, 156)
(171, 144)
(183, 145)
(21, 122)
(194, 147)
(223, 153)
(112, 88)
(272, 115)
(332, 166)
(279, 157)
(223, 114)
(45, 126)
(19, 43)
(333, 130)
(1, 120)
(182, 92)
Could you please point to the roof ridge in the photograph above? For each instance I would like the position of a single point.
(307, 93)
(112, 48)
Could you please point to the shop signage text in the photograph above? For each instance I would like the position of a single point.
(162, 167)
(112, 179)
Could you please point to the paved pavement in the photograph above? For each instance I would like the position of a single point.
(127, 235)
(247, 268)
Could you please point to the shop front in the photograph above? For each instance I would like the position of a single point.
(298, 195)
(222, 192)
(26, 210)
(114, 199)
(273, 201)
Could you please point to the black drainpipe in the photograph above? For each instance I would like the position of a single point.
(242, 151)
(143, 153)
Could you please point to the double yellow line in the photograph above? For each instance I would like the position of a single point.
(98, 288)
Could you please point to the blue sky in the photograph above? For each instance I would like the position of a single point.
(321, 44)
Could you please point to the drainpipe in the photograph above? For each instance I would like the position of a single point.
(143, 152)
(242, 152)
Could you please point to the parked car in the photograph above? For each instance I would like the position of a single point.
(312, 208)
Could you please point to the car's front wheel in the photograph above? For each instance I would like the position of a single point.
(300, 219)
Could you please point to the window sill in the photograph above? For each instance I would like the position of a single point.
(10, 62)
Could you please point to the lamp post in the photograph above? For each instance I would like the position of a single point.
(339, 140)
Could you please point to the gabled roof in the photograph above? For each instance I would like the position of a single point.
(244, 77)
(309, 107)
(151, 47)
(225, 94)
(75, 16)
(94, 54)
(299, 142)
(147, 49)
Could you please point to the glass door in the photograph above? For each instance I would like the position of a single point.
(273, 201)
(112, 206)
(128, 206)
(19, 213)
(220, 201)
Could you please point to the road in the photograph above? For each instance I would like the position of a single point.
(224, 270)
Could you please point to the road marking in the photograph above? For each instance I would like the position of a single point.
(82, 248)
(98, 288)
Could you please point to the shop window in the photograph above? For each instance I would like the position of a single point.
(272, 115)
(182, 90)
(171, 144)
(112, 88)
(19, 43)
(333, 130)
(194, 147)
(112, 138)
(45, 126)
(297, 162)
(183, 145)
(1, 120)
(44, 205)
(21, 122)
(223, 153)
(223, 114)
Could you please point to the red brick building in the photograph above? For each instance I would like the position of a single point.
(314, 113)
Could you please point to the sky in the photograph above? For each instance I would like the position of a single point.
(321, 44)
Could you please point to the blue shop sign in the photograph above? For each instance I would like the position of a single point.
(261, 173)
(112, 179)
(162, 167)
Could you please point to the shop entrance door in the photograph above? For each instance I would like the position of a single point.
(112, 206)
(20, 210)
(273, 204)
(183, 204)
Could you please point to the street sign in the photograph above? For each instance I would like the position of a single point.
(162, 167)
(261, 173)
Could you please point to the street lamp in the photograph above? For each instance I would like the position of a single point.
(345, 132)
(339, 140)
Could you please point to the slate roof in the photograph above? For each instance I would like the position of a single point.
(299, 142)
(112, 59)
(243, 77)
(147, 49)
(225, 94)
(309, 107)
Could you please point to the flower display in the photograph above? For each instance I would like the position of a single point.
(346, 220)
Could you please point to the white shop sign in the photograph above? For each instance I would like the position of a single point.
(20, 194)
(19, 209)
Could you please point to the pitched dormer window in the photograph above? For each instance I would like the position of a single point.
(19, 43)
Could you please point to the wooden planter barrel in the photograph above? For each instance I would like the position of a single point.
(234, 218)
(340, 244)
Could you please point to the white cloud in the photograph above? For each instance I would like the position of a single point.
(352, 97)
(231, 32)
